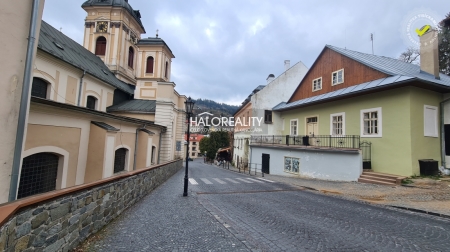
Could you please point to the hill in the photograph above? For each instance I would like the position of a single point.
(202, 105)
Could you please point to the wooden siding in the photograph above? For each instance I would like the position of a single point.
(330, 61)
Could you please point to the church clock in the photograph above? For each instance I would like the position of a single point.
(102, 26)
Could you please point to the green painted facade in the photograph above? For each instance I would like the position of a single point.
(402, 142)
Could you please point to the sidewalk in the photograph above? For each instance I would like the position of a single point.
(423, 194)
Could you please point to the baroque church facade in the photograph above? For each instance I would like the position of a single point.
(101, 108)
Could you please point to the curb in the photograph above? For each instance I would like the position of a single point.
(421, 211)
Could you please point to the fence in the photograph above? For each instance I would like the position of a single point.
(326, 141)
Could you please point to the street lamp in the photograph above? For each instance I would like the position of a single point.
(189, 103)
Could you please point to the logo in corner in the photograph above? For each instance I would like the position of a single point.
(416, 24)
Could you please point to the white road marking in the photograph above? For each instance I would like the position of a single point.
(192, 181)
(220, 181)
(255, 180)
(232, 181)
(206, 181)
(246, 181)
(267, 180)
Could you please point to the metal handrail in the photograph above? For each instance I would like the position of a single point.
(328, 141)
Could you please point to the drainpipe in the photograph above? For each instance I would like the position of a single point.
(159, 146)
(136, 146)
(81, 87)
(25, 97)
(441, 112)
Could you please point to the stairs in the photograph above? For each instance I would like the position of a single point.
(380, 178)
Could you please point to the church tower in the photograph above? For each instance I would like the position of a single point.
(112, 31)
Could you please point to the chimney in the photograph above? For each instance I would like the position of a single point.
(270, 78)
(429, 57)
(287, 64)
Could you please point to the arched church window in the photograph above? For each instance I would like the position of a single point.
(38, 175)
(39, 88)
(100, 46)
(165, 73)
(150, 62)
(130, 57)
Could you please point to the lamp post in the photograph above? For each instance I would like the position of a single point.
(189, 104)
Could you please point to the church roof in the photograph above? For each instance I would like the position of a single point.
(117, 3)
(153, 41)
(64, 48)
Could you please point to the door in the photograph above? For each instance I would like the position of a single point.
(265, 165)
(312, 128)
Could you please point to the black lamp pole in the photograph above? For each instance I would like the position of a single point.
(189, 103)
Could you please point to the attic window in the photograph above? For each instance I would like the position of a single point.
(104, 71)
(58, 45)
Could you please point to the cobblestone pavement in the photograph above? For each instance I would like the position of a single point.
(228, 211)
(423, 194)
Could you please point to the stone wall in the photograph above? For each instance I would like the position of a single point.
(61, 223)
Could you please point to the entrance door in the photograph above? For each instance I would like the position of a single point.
(265, 167)
(312, 126)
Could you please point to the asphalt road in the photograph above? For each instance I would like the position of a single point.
(229, 211)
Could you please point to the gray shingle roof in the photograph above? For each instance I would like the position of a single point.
(105, 126)
(399, 72)
(134, 106)
(117, 3)
(153, 41)
(51, 41)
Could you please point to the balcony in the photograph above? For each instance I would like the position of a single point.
(347, 142)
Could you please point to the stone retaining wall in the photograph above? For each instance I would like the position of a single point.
(60, 224)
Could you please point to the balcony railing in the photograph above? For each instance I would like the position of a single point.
(324, 141)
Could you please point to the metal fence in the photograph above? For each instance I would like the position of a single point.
(344, 142)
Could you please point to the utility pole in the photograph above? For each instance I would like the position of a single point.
(371, 38)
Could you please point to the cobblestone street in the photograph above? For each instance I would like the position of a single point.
(228, 211)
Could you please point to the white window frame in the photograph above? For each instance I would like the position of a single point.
(379, 124)
(436, 122)
(290, 127)
(313, 86)
(343, 123)
(337, 81)
(290, 171)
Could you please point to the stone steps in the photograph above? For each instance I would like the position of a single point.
(380, 178)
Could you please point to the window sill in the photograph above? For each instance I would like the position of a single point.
(372, 136)
(268, 122)
(316, 90)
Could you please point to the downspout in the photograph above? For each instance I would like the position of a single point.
(136, 146)
(441, 112)
(24, 102)
(159, 146)
(81, 87)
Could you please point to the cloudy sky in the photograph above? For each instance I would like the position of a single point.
(225, 48)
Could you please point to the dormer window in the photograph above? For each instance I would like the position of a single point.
(91, 102)
(317, 84)
(337, 77)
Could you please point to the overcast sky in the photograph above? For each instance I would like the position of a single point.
(225, 48)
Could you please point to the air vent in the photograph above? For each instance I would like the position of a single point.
(104, 71)
(58, 45)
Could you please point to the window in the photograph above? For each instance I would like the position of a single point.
(317, 84)
(267, 116)
(430, 121)
(120, 160)
(337, 77)
(194, 149)
(337, 124)
(294, 127)
(38, 175)
(130, 57)
(91, 102)
(165, 71)
(39, 88)
(371, 123)
(291, 164)
(100, 46)
(150, 62)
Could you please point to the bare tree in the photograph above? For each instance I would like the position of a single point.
(411, 55)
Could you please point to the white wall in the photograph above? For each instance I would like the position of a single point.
(328, 165)
(278, 90)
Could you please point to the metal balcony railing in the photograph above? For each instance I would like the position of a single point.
(325, 141)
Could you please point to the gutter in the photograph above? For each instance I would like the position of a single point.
(136, 146)
(24, 103)
(159, 147)
(441, 112)
(81, 87)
